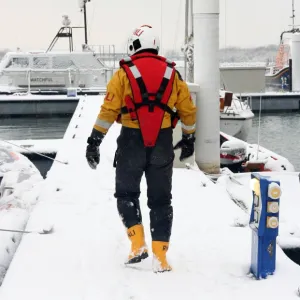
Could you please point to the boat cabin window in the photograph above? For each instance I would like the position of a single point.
(17, 63)
(41, 62)
(62, 62)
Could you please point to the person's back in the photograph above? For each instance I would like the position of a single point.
(142, 96)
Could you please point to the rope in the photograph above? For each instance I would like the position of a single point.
(259, 125)
(40, 154)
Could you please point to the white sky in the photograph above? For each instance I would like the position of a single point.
(32, 24)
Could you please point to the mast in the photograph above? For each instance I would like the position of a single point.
(85, 24)
(293, 15)
(192, 21)
(82, 5)
(186, 34)
(294, 27)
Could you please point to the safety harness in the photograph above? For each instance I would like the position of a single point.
(149, 102)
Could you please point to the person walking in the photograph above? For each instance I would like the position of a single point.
(147, 96)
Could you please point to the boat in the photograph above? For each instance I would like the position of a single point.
(235, 115)
(54, 72)
(238, 156)
(279, 73)
(278, 79)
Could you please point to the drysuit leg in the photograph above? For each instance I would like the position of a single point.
(158, 174)
(130, 164)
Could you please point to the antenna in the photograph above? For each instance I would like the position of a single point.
(293, 14)
(294, 27)
(67, 31)
(186, 35)
(82, 5)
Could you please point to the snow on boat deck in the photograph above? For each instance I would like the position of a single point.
(43, 146)
(83, 258)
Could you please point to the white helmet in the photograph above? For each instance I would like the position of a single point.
(142, 38)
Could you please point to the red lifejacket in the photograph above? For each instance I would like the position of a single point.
(151, 79)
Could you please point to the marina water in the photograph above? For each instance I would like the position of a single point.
(33, 128)
(279, 132)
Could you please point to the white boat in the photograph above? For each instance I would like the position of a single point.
(56, 71)
(236, 118)
(52, 71)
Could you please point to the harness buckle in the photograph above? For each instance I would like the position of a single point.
(151, 107)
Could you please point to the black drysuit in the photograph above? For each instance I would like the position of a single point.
(132, 160)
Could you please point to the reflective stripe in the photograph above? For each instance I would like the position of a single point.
(168, 73)
(103, 124)
(136, 73)
(169, 61)
(127, 59)
(188, 127)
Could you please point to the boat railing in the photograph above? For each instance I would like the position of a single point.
(105, 53)
(246, 101)
(237, 105)
(55, 78)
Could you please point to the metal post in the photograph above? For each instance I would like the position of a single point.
(29, 81)
(114, 49)
(290, 75)
(293, 14)
(296, 62)
(85, 23)
(186, 33)
(192, 9)
(207, 76)
(71, 39)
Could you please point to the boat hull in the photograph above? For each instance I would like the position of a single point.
(237, 127)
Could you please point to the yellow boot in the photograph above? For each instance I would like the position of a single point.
(160, 263)
(138, 246)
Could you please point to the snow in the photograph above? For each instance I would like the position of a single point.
(242, 65)
(271, 94)
(42, 146)
(237, 110)
(83, 259)
(19, 189)
(238, 187)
